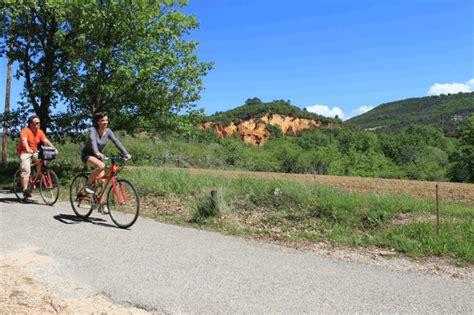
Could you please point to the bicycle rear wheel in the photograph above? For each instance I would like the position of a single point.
(81, 202)
(49, 187)
(123, 204)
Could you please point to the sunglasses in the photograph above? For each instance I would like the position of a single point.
(37, 123)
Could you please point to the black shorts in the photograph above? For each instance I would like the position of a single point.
(85, 156)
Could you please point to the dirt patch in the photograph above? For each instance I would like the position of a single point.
(21, 293)
(165, 206)
(408, 218)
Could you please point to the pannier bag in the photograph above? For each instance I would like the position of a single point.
(47, 153)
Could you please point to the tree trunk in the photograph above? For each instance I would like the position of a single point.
(7, 109)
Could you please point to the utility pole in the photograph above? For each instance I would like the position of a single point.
(7, 108)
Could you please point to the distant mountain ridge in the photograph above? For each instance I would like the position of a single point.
(444, 111)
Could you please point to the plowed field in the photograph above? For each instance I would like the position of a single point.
(463, 193)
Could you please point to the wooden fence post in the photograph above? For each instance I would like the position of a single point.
(437, 210)
(215, 199)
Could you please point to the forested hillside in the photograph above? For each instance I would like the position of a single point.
(255, 122)
(254, 108)
(445, 111)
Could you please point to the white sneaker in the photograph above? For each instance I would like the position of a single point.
(103, 209)
(89, 189)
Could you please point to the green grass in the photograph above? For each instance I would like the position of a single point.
(290, 211)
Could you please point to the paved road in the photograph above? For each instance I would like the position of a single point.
(181, 270)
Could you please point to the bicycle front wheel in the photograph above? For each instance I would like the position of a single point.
(123, 203)
(49, 187)
(81, 202)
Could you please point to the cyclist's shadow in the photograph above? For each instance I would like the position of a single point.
(5, 197)
(9, 199)
(72, 219)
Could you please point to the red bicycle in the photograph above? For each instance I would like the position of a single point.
(41, 177)
(122, 201)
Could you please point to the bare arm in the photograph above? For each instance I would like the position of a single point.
(24, 141)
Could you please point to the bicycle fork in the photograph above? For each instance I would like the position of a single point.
(47, 181)
(121, 201)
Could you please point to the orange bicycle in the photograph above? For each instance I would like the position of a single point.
(41, 177)
(122, 201)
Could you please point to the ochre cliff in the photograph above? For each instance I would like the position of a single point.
(255, 130)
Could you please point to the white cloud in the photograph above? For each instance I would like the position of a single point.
(325, 111)
(359, 111)
(451, 88)
(363, 109)
(470, 84)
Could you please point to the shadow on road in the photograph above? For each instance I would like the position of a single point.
(63, 218)
(72, 219)
(10, 199)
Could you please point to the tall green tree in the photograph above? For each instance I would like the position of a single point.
(137, 62)
(41, 40)
(131, 58)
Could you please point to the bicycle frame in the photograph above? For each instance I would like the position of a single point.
(40, 166)
(111, 177)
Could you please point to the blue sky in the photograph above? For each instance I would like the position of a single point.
(344, 54)
(334, 57)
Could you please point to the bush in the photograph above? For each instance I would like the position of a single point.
(206, 207)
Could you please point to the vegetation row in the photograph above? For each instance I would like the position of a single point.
(417, 152)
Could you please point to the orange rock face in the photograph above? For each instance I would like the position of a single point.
(255, 131)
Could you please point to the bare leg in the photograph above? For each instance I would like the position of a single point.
(97, 169)
(24, 182)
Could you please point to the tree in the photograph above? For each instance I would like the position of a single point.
(136, 62)
(129, 58)
(463, 167)
(40, 42)
(253, 101)
(409, 145)
(7, 107)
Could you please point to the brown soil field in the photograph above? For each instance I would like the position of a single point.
(457, 192)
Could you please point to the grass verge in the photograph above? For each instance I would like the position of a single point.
(287, 211)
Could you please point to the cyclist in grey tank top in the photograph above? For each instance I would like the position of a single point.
(92, 152)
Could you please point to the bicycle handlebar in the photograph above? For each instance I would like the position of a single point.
(114, 158)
